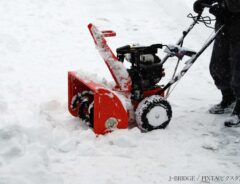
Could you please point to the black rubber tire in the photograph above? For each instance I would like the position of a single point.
(85, 107)
(153, 106)
(91, 115)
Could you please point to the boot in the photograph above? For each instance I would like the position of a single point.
(226, 105)
(234, 120)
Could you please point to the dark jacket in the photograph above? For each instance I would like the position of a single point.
(233, 5)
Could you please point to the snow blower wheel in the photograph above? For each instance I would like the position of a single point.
(91, 115)
(86, 107)
(153, 113)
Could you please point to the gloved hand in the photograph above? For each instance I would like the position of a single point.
(198, 6)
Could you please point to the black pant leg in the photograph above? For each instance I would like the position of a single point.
(220, 69)
(234, 34)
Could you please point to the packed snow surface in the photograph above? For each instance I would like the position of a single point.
(40, 142)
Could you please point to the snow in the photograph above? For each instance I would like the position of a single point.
(88, 77)
(40, 142)
(156, 115)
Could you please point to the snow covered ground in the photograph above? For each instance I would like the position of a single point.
(40, 142)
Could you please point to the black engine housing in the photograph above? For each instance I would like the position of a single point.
(146, 68)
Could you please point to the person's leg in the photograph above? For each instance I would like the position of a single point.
(235, 70)
(220, 71)
(235, 60)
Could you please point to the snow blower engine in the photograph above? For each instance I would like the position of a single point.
(146, 68)
(137, 95)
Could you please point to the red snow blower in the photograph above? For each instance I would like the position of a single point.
(137, 95)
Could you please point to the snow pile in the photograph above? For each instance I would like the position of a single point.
(23, 159)
(40, 142)
(95, 78)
